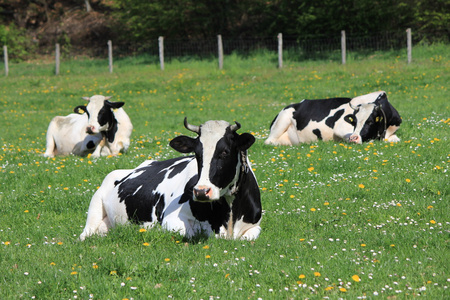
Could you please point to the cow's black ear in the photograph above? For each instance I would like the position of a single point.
(114, 105)
(245, 140)
(183, 144)
(351, 119)
(80, 109)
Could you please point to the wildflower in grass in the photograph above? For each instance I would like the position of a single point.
(207, 256)
(392, 245)
(146, 244)
(74, 273)
(317, 274)
(167, 259)
(291, 196)
(142, 230)
(301, 276)
(310, 169)
(361, 186)
(343, 289)
(433, 222)
(363, 245)
(399, 204)
(227, 275)
(301, 240)
(206, 247)
(408, 180)
(313, 209)
(326, 203)
(356, 278)
(113, 273)
(328, 288)
(94, 266)
(60, 243)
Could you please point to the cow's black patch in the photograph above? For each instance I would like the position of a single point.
(315, 110)
(317, 133)
(330, 121)
(106, 116)
(216, 213)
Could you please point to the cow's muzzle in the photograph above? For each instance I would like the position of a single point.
(90, 130)
(202, 193)
(355, 139)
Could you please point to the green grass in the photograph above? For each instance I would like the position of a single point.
(331, 210)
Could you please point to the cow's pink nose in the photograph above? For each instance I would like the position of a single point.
(90, 129)
(202, 193)
(354, 139)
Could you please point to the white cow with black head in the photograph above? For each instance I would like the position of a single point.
(212, 192)
(363, 118)
(101, 128)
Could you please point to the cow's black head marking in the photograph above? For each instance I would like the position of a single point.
(217, 150)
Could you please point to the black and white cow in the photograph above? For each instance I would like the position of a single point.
(356, 120)
(212, 192)
(101, 128)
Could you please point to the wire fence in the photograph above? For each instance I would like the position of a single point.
(294, 48)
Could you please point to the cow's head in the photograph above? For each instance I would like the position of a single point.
(219, 152)
(369, 122)
(100, 113)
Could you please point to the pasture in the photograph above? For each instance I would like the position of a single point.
(339, 220)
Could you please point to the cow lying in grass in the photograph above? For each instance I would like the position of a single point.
(101, 128)
(356, 120)
(211, 192)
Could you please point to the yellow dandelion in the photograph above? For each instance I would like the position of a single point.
(392, 245)
(207, 256)
(311, 169)
(74, 273)
(113, 273)
(313, 209)
(433, 222)
(329, 288)
(343, 289)
(356, 278)
(301, 276)
(60, 243)
(166, 259)
(226, 275)
(52, 264)
(408, 180)
(146, 244)
(142, 230)
(206, 247)
(292, 196)
(326, 203)
(361, 186)
(363, 245)
(301, 240)
(429, 206)
(399, 204)
(317, 274)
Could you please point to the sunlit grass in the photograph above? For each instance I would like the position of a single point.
(339, 220)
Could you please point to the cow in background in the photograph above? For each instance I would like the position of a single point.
(213, 192)
(356, 120)
(101, 128)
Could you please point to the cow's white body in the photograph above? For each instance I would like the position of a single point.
(68, 135)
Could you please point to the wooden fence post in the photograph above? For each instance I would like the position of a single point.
(409, 44)
(220, 47)
(161, 52)
(343, 47)
(110, 56)
(57, 59)
(280, 50)
(5, 56)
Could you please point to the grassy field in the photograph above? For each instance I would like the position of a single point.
(339, 221)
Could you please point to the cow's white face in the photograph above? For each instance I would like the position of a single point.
(369, 122)
(99, 112)
(217, 151)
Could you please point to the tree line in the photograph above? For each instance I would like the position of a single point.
(82, 23)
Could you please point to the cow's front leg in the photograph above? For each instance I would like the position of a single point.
(98, 149)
